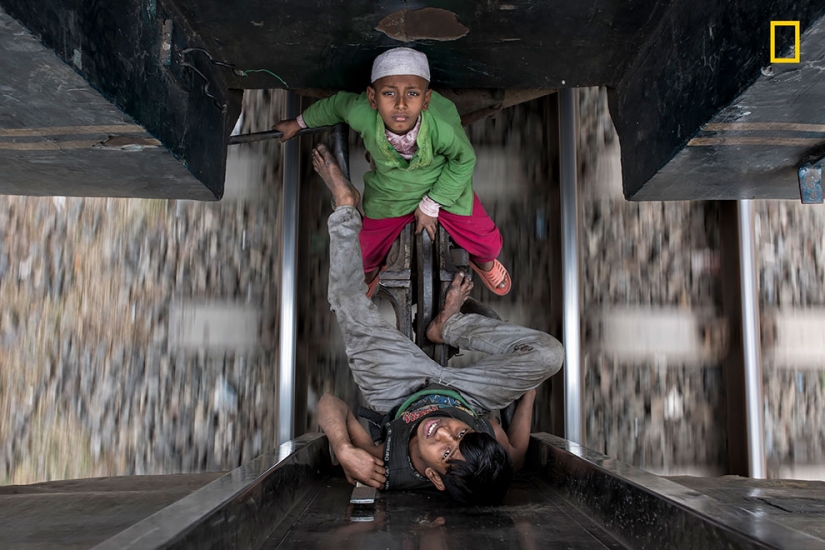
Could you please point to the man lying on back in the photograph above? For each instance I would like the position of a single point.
(437, 435)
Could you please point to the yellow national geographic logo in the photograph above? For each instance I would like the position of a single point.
(795, 58)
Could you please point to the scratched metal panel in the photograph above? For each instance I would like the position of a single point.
(718, 71)
(107, 71)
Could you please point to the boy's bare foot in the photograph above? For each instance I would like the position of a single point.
(343, 192)
(456, 295)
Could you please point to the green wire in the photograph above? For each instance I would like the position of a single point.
(266, 71)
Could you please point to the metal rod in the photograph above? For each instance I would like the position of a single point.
(270, 134)
(289, 284)
(570, 265)
(750, 341)
(339, 138)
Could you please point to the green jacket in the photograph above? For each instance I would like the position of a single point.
(441, 168)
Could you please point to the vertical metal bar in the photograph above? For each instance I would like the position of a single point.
(425, 286)
(733, 365)
(555, 422)
(570, 265)
(750, 341)
(289, 285)
(340, 146)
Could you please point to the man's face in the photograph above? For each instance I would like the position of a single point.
(436, 442)
(399, 100)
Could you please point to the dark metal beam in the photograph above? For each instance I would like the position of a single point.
(647, 511)
(238, 510)
(177, 67)
(61, 136)
(737, 126)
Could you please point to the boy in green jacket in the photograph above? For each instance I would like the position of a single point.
(422, 165)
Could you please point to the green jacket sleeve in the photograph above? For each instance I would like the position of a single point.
(457, 175)
(331, 110)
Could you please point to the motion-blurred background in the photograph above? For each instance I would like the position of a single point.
(141, 336)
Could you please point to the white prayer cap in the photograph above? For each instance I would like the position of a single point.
(398, 61)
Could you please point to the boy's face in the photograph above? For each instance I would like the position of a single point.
(399, 100)
(435, 444)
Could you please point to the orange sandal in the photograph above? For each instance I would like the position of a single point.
(493, 278)
(372, 287)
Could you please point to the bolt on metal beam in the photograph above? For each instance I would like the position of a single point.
(810, 182)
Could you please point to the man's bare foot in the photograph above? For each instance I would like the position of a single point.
(456, 295)
(343, 192)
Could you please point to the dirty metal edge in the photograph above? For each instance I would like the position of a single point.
(237, 510)
(647, 511)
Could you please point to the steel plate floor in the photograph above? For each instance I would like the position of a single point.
(533, 516)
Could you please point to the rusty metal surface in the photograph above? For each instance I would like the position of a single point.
(422, 24)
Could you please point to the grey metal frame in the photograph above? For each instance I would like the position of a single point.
(289, 280)
(570, 265)
(751, 342)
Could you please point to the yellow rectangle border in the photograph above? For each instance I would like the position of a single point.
(795, 58)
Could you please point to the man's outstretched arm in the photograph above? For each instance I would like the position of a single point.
(517, 438)
(350, 442)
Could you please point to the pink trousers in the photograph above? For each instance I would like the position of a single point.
(476, 233)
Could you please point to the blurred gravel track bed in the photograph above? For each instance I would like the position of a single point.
(89, 385)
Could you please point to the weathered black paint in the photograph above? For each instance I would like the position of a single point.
(331, 44)
(671, 67)
(700, 59)
(118, 45)
(646, 511)
(58, 136)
